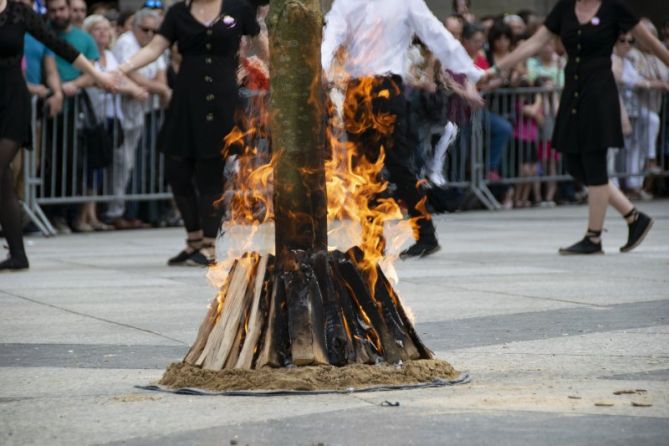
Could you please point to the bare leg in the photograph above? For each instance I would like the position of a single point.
(619, 201)
(598, 201)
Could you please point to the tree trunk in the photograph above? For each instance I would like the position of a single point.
(296, 119)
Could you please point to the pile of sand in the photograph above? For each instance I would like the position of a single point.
(179, 375)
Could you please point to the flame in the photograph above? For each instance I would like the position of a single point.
(358, 212)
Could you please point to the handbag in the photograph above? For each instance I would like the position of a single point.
(93, 138)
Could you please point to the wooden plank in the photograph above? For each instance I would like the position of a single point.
(274, 352)
(234, 317)
(306, 326)
(338, 344)
(255, 318)
(423, 351)
(208, 322)
(363, 350)
(358, 291)
(233, 298)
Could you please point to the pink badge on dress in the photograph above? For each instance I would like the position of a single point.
(230, 22)
(595, 21)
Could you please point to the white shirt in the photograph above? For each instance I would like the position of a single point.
(377, 34)
(105, 104)
(127, 46)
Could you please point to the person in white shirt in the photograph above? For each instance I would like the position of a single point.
(151, 78)
(376, 36)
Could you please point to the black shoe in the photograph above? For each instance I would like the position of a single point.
(584, 247)
(180, 259)
(199, 258)
(15, 263)
(421, 248)
(637, 231)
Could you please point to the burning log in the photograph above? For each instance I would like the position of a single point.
(306, 306)
(312, 310)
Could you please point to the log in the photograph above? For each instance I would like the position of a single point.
(338, 344)
(392, 353)
(255, 318)
(306, 328)
(387, 306)
(424, 352)
(275, 349)
(223, 335)
(208, 322)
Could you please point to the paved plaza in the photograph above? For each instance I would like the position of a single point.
(561, 350)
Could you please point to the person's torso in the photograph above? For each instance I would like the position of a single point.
(82, 42)
(380, 34)
(34, 52)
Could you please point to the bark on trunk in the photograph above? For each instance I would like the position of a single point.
(296, 118)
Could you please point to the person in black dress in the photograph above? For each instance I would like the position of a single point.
(588, 122)
(208, 34)
(15, 20)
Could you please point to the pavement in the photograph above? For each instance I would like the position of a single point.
(550, 342)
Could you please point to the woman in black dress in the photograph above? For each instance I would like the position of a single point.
(588, 122)
(208, 34)
(15, 20)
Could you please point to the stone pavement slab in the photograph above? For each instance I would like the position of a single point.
(548, 341)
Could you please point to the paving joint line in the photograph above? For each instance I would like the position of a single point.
(97, 318)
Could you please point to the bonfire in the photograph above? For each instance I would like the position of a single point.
(318, 303)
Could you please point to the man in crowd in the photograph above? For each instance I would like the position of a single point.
(78, 10)
(59, 13)
(376, 47)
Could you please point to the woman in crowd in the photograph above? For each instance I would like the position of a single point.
(15, 20)
(107, 107)
(588, 122)
(208, 33)
(500, 44)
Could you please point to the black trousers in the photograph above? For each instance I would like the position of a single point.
(383, 121)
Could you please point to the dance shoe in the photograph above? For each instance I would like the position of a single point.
(638, 230)
(15, 263)
(421, 248)
(584, 247)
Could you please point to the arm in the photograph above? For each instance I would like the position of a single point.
(145, 56)
(445, 47)
(55, 102)
(527, 49)
(641, 33)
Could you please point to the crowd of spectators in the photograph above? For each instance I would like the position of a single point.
(517, 123)
(522, 104)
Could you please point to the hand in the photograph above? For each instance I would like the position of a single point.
(140, 94)
(55, 104)
(473, 97)
(40, 90)
(70, 89)
(106, 81)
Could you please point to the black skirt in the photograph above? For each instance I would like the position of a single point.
(15, 112)
(202, 109)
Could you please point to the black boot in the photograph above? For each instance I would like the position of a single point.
(586, 246)
(426, 244)
(14, 263)
(638, 228)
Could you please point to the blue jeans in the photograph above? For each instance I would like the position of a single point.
(500, 133)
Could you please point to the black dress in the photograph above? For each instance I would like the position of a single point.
(205, 93)
(589, 115)
(15, 21)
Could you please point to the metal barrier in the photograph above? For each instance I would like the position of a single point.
(58, 171)
(501, 145)
(516, 146)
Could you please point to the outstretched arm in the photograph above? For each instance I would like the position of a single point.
(641, 33)
(146, 55)
(527, 49)
(445, 47)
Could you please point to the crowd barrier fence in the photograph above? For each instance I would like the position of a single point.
(501, 145)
